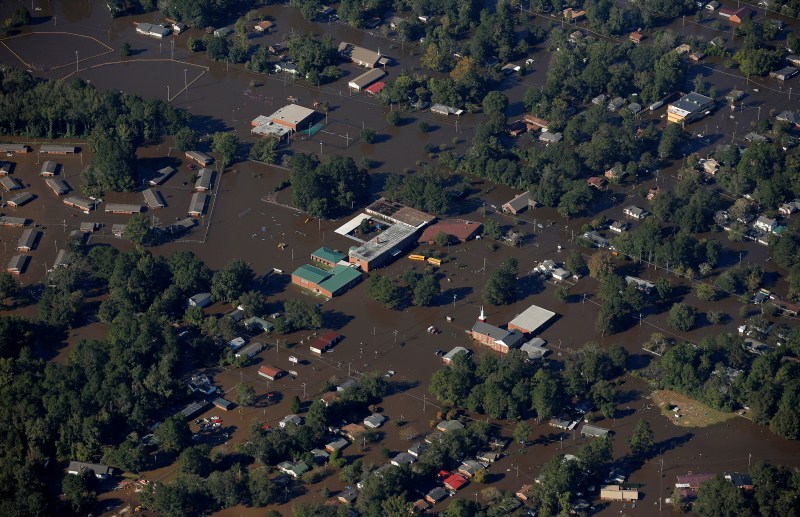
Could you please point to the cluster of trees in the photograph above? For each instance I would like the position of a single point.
(720, 372)
(327, 189)
(204, 13)
(501, 288)
(41, 108)
(316, 59)
(420, 288)
(126, 7)
(775, 492)
(507, 387)
(424, 191)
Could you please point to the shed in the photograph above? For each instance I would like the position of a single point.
(9, 183)
(27, 241)
(199, 157)
(123, 208)
(80, 203)
(13, 222)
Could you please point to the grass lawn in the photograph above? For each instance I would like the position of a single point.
(692, 413)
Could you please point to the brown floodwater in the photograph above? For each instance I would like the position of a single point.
(239, 223)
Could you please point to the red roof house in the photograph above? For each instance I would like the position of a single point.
(325, 342)
(374, 88)
(455, 482)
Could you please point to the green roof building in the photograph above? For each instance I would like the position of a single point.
(329, 283)
(327, 256)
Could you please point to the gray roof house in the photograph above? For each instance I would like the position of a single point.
(403, 458)
(200, 300)
(635, 212)
(594, 431)
(446, 426)
(535, 349)
(99, 471)
(374, 421)
(336, 445)
(417, 449)
(293, 469)
(290, 419)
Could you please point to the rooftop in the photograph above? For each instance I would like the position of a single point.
(388, 239)
(328, 255)
(532, 318)
(398, 212)
(292, 114)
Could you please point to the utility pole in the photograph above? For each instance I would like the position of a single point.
(77, 69)
(395, 336)
(185, 85)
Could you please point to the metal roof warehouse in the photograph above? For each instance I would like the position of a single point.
(365, 79)
(21, 199)
(153, 198)
(198, 204)
(123, 208)
(60, 187)
(329, 283)
(532, 319)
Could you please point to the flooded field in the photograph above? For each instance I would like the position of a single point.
(240, 223)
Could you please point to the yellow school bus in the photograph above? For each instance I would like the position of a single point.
(434, 261)
(417, 257)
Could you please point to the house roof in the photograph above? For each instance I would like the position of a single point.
(520, 201)
(374, 420)
(403, 458)
(417, 448)
(375, 87)
(449, 356)
(360, 54)
(593, 430)
(692, 480)
(437, 494)
(337, 444)
(533, 318)
(269, 370)
(455, 481)
(449, 425)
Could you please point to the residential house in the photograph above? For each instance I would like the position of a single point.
(535, 123)
(349, 383)
(788, 116)
(652, 192)
(59, 187)
(636, 37)
(618, 227)
(100, 471)
(336, 445)
(600, 99)
(325, 342)
(560, 273)
(449, 356)
(348, 496)
(560, 423)
(488, 456)
(250, 350)
(417, 449)
(447, 426)
(740, 481)
(736, 16)
(118, 230)
(765, 224)
(784, 73)
(596, 182)
(593, 431)
(200, 300)
(573, 15)
(642, 285)
(710, 166)
(162, 176)
(441, 109)
(320, 455)
(263, 26)
(455, 482)
(616, 173)
(616, 103)
(329, 398)
(353, 431)
(236, 343)
(374, 421)
(420, 506)
(635, 212)
(692, 481)
(535, 349)
(293, 469)
(469, 467)
(595, 239)
(697, 56)
(290, 419)
(223, 32)
(550, 138)
(27, 241)
(403, 458)
(256, 324)
(202, 158)
(20, 199)
(436, 495)
(459, 230)
(524, 493)
(787, 209)
(520, 203)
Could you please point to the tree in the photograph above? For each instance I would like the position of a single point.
(500, 289)
(368, 135)
(480, 476)
(9, 286)
(492, 229)
(705, 292)
(600, 265)
(185, 139)
(254, 303)
(393, 118)
(384, 290)
(682, 317)
(245, 394)
(113, 166)
(300, 315)
(226, 144)
(426, 289)
(663, 288)
(671, 139)
(173, 435)
(718, 497)
(189, 274)
(575, 263)
(442, 239)
(125, 50)
(522, 431)
(423, 126)
(642, 440)
(138, 230)
(195, 460)
(295, 408)
(228, 283)
(265, 150)
(78, 491)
